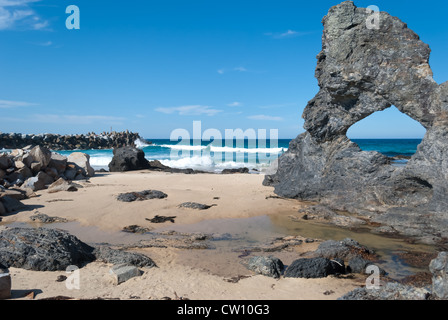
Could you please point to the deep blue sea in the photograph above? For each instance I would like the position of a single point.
(214, 157)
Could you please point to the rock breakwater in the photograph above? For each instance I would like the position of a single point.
(105, 140)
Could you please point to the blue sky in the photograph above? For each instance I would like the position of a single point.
(153, 66)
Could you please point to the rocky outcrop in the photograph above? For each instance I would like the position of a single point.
(45, 249)
(108, 255)
(128, 159)
(42, 249)
(314, 268)
(88, 141)
(362, 70)
(24, 171)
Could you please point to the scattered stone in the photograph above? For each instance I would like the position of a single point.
(140, 196)
(41, 157)
(196, 206)
(5, 161)
(39, 182)
(123, 272)
(43, 218)
(5, 285)
(62, 185)
(439, 270)
(114, 256)
(236, 279)
(58, 162)
(161, 219)
(314, 268)
(136, 229)
(61, 278)
(42, 249)
(359, 265)
(267, 266)
(82, 161)
(234, 171)
(10, 204)
(17, 194)
(156, 165)
(389, 291)
(345, 250)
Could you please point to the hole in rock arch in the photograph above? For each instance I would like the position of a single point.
(389, 132)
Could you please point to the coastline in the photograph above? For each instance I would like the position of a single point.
(95, 216)
(94, 205)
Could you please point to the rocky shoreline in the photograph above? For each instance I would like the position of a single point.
(105, 140)
(25, 171)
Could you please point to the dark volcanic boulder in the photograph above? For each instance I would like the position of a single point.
(267, 266)
(196, 206)
(114, 256)
(42, 249)
(360, 71)
(128, 159)
(141, 196)
(314, 268)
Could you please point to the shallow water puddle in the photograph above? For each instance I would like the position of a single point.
(236, 234)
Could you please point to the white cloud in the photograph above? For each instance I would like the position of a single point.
(239, 69)
(265, 118)
(18, 13)
(6, 104)
(235, 104)
(193, 110)
(287, 34)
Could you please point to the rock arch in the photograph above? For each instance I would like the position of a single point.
(361, 71)
(387, 124)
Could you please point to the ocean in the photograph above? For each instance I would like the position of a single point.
(214, 157)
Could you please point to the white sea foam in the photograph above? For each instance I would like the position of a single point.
(205, 163)
(224, 149)
(139, 143)
(100, 161)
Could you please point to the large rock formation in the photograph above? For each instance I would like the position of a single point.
(128, 159)
(362, 70)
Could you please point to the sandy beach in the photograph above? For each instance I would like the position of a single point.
(95, 216)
